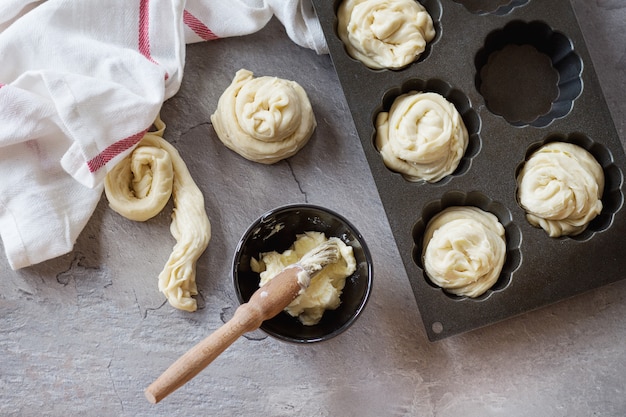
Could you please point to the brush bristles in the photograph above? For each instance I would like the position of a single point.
(322, 255)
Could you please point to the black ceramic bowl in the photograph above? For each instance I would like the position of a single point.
(276, 230)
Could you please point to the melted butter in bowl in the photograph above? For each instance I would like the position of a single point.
(276, 231)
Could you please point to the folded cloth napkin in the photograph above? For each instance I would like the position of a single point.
(80, 84)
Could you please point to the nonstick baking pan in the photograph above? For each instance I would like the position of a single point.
(520, 75)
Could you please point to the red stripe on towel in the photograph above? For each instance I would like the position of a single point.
(144, 32)
(114, 150)
(144, 29)
(198, 27)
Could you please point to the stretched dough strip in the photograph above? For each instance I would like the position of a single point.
(140, 186)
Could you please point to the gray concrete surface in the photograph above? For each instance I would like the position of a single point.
(84, 334)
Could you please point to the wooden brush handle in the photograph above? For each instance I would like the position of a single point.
(265, 303)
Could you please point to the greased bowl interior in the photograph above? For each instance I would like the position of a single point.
(276, 230)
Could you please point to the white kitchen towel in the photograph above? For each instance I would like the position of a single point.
(81, 82)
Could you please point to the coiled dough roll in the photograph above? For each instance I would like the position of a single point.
(423, 136)
(140, 186)
(560, 187)
(384, 33)
(464, 250)
(264, 119)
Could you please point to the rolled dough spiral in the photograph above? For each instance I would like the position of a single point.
(264, 119)
(384, 33)
(423, 136)
(464, 250)
(560, 187)
(140, 186)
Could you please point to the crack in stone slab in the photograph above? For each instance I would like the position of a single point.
(145, 313)
(76, 265)
(141, 314)
(295, 178)
(117, 395)
(196, 126)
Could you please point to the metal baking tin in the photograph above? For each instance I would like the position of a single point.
(539, 270)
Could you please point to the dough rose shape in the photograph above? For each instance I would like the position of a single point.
(464, 250)
(423, 136)
(560, 187)
(264, 119)
(384, 33)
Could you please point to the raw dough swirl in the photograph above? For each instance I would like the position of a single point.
(464, 250)
(384, 33)
(423, 136)
(560, 187)
(140, 186)
(264, 119)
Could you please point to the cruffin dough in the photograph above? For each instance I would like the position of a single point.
(264, 119)
(140, 186)
(384, 33)
(422, 136)
(464, 250)
(560, 187)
